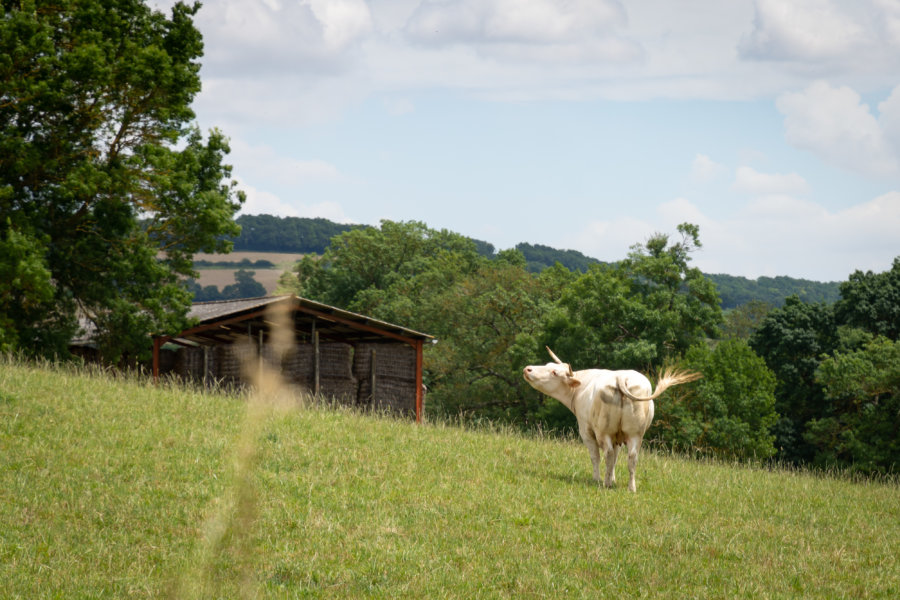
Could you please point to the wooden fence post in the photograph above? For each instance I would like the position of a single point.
(372, 380)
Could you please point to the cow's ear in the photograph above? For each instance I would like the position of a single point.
(574, 382)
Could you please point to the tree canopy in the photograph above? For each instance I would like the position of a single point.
(871, 301)
(107, 188)
(639, 313)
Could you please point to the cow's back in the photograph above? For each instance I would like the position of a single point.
(607, 410)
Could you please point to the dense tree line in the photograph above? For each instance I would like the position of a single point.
(838, 374)
(267, 233)
(811, 383)
(736, 291)
(245, 263)
(538, 258)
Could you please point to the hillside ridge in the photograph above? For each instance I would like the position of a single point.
(268, 233)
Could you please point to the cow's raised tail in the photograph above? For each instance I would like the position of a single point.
(668, 378)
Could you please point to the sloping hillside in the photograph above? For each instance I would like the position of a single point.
(111, 487)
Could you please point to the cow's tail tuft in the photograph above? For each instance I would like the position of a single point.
(669, 377)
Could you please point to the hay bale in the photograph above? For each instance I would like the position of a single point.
(335, 362)
(229, 361)
(343, 390)
(189, 363)
(395, 361)
(297, 364)
(397, 396)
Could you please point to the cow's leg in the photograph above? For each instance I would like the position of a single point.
(612, 451)
(591, 443)
(634, 446)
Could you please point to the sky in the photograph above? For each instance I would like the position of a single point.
(588, 125)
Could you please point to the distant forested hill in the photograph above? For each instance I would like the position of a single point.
(540, 257)
(735, 291)
(267, 233)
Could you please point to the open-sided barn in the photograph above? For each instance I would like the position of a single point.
(337, 354)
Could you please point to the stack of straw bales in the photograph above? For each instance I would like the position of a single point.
(395, 377)
(345, 372)
(336, 380)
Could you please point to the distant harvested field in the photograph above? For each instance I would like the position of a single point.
(283, 260)
(267, 277)
(222, 277)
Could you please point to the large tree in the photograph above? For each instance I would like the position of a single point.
(792, 340)
(861, 416)
(639, 313)
(485, 313)
(107, 188)
(871, 301)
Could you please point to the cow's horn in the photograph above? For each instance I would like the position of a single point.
(555, 357)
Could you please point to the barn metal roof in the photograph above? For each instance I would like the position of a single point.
(227, 321)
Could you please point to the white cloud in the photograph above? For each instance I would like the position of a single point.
(342, 21)
(751, 181)
(262, 202)
(890, 20)
(704, 169)
(537, 30)
(889, 119)
(607, 240)
(801, 30)
(682, 210)
(242, 106)
(834, 123)
(803, 237)
(770, 235)
(268, 165)
(536, 21)
(261, 37)
(526, 49)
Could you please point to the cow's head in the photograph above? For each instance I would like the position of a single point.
(552, 378)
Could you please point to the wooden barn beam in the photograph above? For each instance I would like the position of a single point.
(355, 324)
(419, 392)
(157, 344)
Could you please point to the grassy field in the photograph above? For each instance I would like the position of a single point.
(110, 487)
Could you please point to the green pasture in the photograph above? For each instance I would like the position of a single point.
(111, 487)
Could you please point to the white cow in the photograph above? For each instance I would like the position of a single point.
(612, 407)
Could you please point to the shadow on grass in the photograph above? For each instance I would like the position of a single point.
(581, 479)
